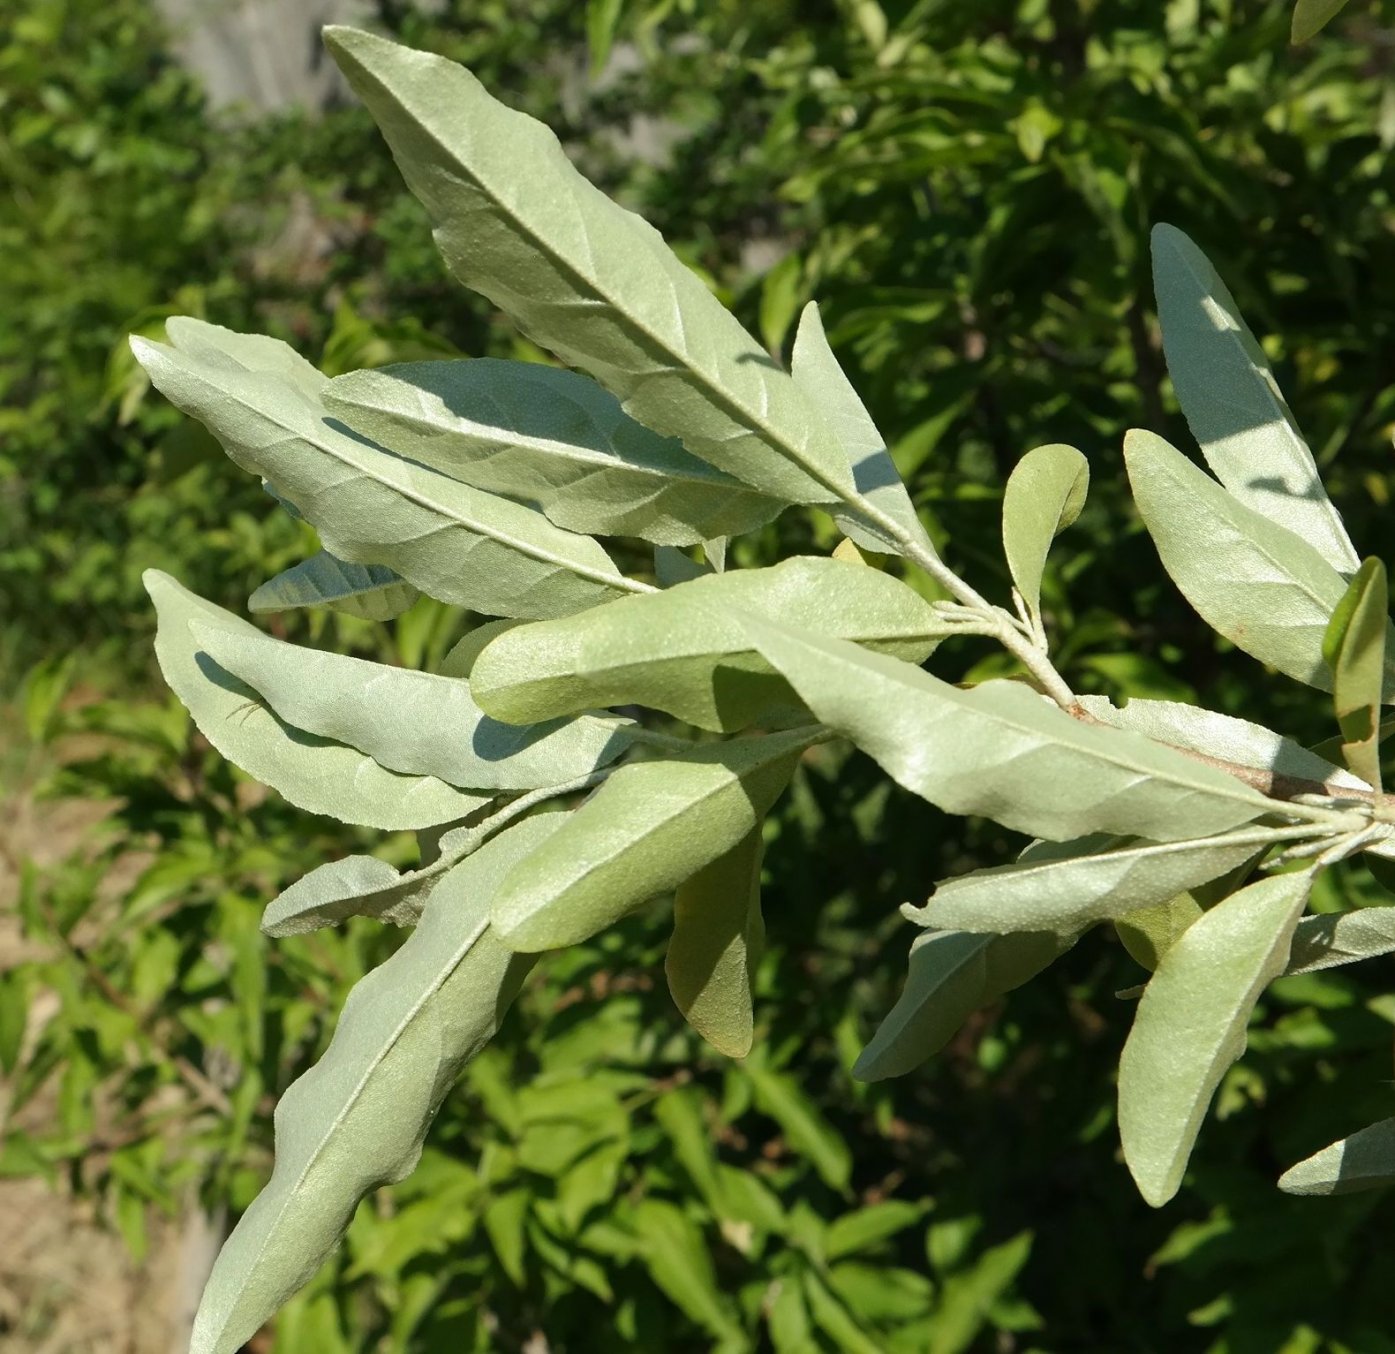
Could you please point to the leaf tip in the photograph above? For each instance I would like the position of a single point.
(144, 350)
(1164, 233)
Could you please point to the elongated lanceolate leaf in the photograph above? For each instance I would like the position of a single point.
(717, 938)
(313, 773)
(1190, 1026)
(550, 437)
(1366, 1160)
(1044, 495)
(951, 975)
(368, 591)
(1337, 938)
(1002, 751)
(1050, 890)
(357, 1119)
(1222, 736)
(1310, 17)
(685, 650)
(584, 278)
(356, 886)
(1232, 402)
(649, 828)
(453, 542)
(1354, 647)
(1266, 590)
(414, 722)
(817, 373)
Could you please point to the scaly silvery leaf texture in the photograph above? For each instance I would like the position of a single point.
(597, 740)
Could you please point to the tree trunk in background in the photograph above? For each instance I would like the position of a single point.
(261, 55)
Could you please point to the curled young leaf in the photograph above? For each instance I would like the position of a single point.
(415, 722)
(584, 278)
(685, 650)
(311, 772)
(550, 437)
(649, 828)
(1002, 751)
(1232, 402)
(357, 1119)
(1190, 1025)
(1044, 495)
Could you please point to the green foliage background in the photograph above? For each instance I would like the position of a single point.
(967, 190)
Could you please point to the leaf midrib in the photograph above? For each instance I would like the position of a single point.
(1242, 792)
(463, 949)
(503, 440)
(712, 389)
(616, 581)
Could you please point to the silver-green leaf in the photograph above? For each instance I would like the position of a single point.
(1190, 1025)
(1222, 736)
(685, 651)
(313, 773)
(717, 938)
(549, 437)
(359, 886)
(369, 591)
(1069, 886)
(951, 975)
(1002, 751)
(414, 722)
(1232, 401)
(584, 278)
(1044, 495)
(649, 828)
(1266, 590)
(817, 373)
(1335, 938)
(453, 542)
(1366, 1160)
(357, 1119)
